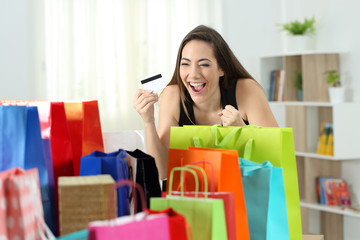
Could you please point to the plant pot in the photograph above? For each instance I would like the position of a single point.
(300, 94)
(298, 43)
(337, 94)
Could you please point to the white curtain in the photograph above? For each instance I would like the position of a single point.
(101, 49)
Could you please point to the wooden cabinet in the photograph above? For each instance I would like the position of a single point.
(305, 119)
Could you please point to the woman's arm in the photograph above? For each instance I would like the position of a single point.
(157, 143)
(253, 104)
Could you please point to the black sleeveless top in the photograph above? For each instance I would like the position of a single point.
(228, 97)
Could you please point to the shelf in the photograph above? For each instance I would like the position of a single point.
(330, 209)
(324, 157)
(309, 104)
(309, 52)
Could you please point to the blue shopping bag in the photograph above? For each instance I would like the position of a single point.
(114, 164)
(22, 146)
(265, 200)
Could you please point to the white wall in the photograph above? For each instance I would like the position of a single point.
(251, 30)
(15, 50)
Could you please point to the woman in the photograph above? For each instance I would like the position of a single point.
(209, 86)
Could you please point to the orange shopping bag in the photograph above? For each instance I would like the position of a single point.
(227, 177)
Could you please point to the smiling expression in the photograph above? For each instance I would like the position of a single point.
(199, 71)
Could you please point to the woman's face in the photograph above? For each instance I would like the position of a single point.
(199, 70)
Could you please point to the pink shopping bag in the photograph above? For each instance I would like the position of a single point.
(20, 205)
(140, 226)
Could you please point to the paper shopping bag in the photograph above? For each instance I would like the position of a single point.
(22, 146)
(270, 144)
(84, 125)
(143, 170)
(83, 199)
(127, 139)
(114, 164)
(23, 216)
(227, 177)
(141, 226)
(178, 227)
(227, 197)
(265, 200)
(205, 216)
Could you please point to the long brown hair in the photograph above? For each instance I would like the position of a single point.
(232, 68)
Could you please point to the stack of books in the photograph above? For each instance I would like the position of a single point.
(333, 191)
(277, 85)
(326, 140)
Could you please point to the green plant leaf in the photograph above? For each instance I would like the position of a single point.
(300, 28)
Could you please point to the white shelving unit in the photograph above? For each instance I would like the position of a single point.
(331, 209)
(305, 118)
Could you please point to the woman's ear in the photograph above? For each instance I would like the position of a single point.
(221, 72)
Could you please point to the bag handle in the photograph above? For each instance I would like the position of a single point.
(212, 179)
(134, 186)
(182, 169)
(248, 150)
(249, 167)
(204, 176)
(220, 141)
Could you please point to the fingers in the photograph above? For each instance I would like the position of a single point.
(144, 98)
(230, 116)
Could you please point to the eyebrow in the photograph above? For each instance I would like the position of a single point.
(201, 59)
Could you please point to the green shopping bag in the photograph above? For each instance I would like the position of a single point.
(270, 144)
(205, 216)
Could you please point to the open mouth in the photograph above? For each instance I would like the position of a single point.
(197, 87)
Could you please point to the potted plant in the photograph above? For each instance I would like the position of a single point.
(298, 84)
(300, 33)
(336, 91)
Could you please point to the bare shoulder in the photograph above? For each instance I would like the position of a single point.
(171, 90)
(253, 104)
(170, 104)
(248, 85)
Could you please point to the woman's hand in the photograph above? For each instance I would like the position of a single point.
(230, 116)
(144, 104)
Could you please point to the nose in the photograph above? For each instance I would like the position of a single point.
(194, 71)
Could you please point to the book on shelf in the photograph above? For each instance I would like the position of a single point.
(277, 85)
(326, 140)
(333, 192)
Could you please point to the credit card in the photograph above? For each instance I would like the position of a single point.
(154, 83)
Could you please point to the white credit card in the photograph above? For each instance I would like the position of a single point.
(154, 83)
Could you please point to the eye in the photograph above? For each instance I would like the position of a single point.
(205, 65)
(184, 64)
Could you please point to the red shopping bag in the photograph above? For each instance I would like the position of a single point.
(22, 216)
(83, 121)
(227, 177)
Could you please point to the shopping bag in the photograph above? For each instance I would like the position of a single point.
(127, 139)
(227, 177)
(270, 144)
(83, 199)
(22, 216)
(179, 229)
(227, 197)
(265, 200)
(140, 226)
(22, 146)
(205, 216)
(83, 121)
(79, 235)
(143, 170)
(114, 164)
